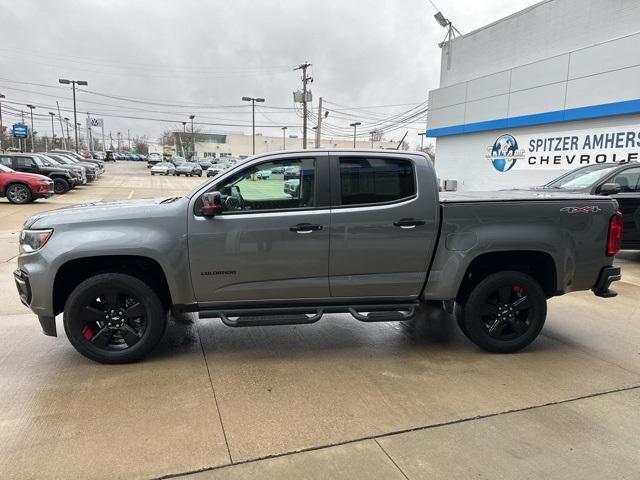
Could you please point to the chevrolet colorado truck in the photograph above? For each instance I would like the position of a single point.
(366, 233)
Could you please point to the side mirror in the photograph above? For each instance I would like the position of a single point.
(609, 189)
(211, 204)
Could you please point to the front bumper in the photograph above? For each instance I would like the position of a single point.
(607, 276)
(23, 285)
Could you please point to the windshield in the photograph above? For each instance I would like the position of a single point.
(583, 178)
(5, 169)
(61, 159)
(49, 162)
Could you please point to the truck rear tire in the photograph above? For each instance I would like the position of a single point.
(504, 312)
(114, 318)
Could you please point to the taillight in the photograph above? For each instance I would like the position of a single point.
(614, 240)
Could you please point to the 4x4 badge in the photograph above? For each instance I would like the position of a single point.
(583, 210)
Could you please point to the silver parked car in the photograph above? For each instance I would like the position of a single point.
(188, 169)
(163, 168)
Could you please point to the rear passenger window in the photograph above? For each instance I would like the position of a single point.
(375, 180)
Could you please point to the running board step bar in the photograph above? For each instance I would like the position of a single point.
(256, 317)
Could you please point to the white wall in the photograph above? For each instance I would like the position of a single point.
(464, 157)
(546, 29)
(600, 74)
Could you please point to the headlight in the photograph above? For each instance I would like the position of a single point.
(34, 240)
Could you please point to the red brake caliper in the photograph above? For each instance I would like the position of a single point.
(517, 290)
(87, 332)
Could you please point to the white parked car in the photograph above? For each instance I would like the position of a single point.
(163, 168)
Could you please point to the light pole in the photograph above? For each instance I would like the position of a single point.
(355, 126)
(284, 138)
(193, 136)
(421, 140)
(1, 130)
(31, 107)
(64, 81)
(253, 116)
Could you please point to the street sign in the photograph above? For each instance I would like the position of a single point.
(20, 130)
(96, 122)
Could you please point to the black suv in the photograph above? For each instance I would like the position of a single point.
(616, 180)
(63, 180)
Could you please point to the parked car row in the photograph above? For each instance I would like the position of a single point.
(25, 177)
(111, 156)
(195, 166)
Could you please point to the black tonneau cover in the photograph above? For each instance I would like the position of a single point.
(515, 196)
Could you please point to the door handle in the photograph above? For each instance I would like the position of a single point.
(304, 228)
(407, 223)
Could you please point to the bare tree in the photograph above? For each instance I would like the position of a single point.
(141, 144)
(429, 149)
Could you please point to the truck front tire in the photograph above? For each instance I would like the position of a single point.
(114, 318)
(504, 312)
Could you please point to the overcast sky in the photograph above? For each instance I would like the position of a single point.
(190, 56)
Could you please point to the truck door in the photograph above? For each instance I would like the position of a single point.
(629, 205)
(383, 225)
(272, 239)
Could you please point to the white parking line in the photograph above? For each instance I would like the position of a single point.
(130, 194)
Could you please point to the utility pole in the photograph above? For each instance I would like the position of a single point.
(253, 117)
(355, 126)
(372, 132)
(305, 80)
(31, 107)
(421, 141)
(66, 120)
(90, 132)
(53, 130)
(129, 139)
(318, 129)
(64, 142)
(184, 134)
(284, 138)
(75, 116)
(193, 135)
(1, 129)
(119, 147)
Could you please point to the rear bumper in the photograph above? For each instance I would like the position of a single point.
(607, 276)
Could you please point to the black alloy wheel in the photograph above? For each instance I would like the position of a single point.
(504, 312)
(114, 318)
(60, 186)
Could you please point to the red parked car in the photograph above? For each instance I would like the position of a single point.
(21, 187)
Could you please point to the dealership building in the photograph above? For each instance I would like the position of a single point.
(540, 92)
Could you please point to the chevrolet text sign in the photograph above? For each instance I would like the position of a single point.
(563, 150)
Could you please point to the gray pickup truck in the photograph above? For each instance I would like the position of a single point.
(365, 233)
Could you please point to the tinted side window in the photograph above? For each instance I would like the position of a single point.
(375, 180)
(628, 180)
(22, 162)
(6, 161)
